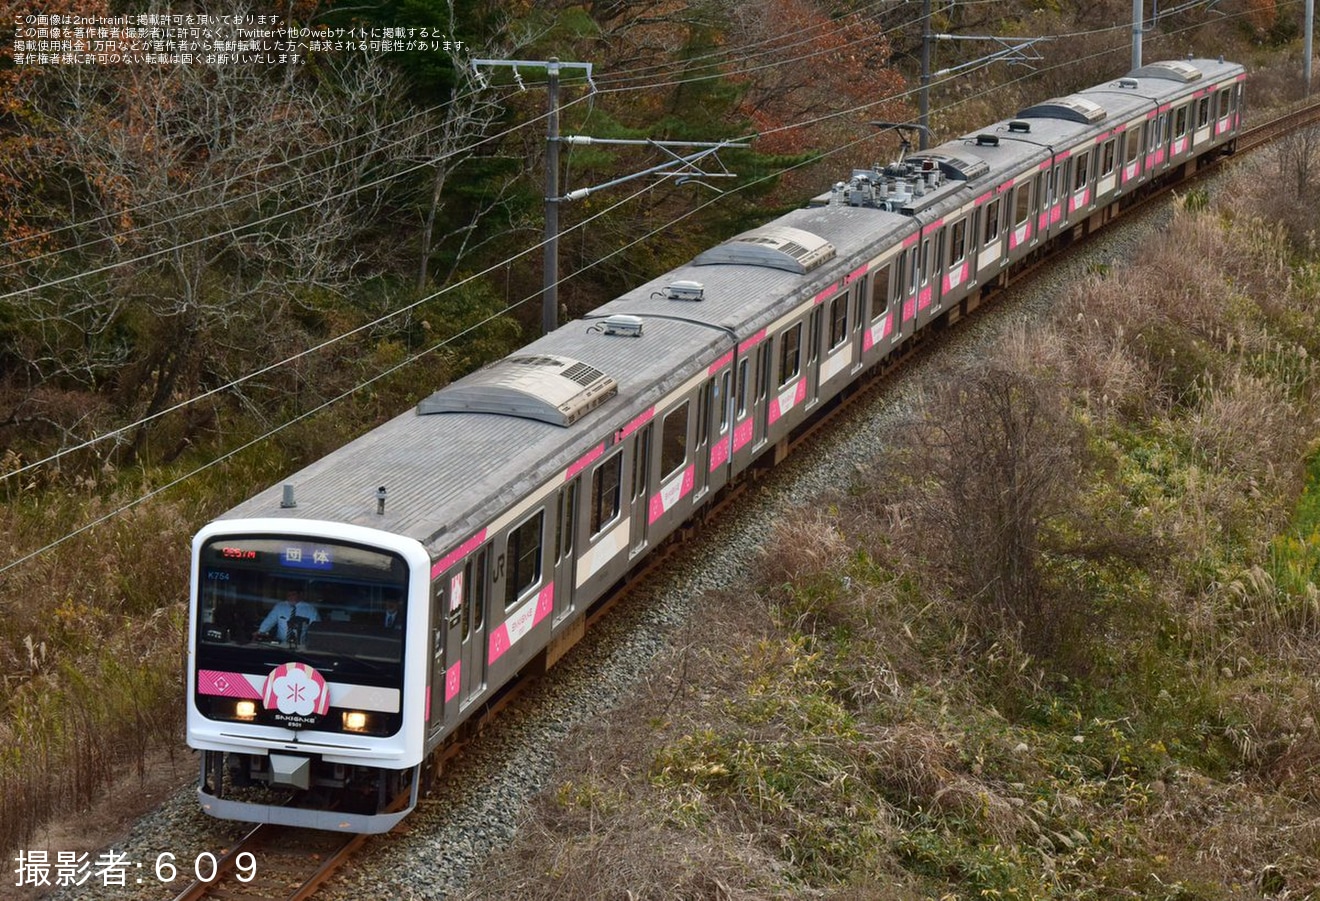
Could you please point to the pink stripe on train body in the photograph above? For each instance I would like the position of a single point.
(664, 500)
(523, 620)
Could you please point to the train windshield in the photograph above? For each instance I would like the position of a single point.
(325, 602)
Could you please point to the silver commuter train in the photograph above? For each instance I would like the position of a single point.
(492, 516)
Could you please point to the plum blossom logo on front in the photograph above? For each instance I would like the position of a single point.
(296, 689)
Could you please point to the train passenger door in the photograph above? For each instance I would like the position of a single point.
(813, 354)
(742, 410)
(1079, 194)
(958, 273)
(1132, 156)
(437, 700)
(1181, 118)
(1105, 183)
(467, 624)
(458, 645)
(566, 519)
(838, 358)
(1225, 103)
(1164, 131)
(906, 306)
(705, 408)
(881, 287)
(859, 322)
(476, 577)
(641, 488)
(1020, 234)
(761, 402)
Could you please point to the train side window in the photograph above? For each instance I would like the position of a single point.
(1224, 97)
(641, 460)
(452, 611)
(1022, 204)
(1107, 161)
(880, 291)
(1133, 144)
(1083, 171)
(743, 373)
(673, 441)
(992, 220)
(958, 242)
(725, 399)
(924, 265)
(523, 557)
(790, 355)
(705, 400)
(474, 584)
(566, 520)
(1180, 122)
(605, 492)
(839, 320)
(1203, 112)
(466, 612)
(813, 334)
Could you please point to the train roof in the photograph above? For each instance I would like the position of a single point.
(744, 290)
(1161, 82)
(446, 464)
(447, 473)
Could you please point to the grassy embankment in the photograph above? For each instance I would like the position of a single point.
(1083, 667)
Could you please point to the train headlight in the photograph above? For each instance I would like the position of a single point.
(355, 721)
(245, 710)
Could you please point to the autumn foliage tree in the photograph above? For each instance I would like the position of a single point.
(812, 81)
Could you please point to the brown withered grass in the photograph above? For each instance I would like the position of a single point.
(92, 633)
(1182, 761)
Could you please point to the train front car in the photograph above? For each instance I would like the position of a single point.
(299, 673)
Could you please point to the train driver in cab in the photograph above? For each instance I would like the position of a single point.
(276, 624)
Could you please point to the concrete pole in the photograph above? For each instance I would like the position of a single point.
(1136, 34)
(1306, 49)
(923, 97)
(550, 260)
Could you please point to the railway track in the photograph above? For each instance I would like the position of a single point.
(277, 863)
(1260, 135)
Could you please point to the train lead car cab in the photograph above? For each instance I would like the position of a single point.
(298, 681)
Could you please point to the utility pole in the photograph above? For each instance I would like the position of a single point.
(1136, 34)
(923, 98)
(550, 250)
(684, 167)
(550, 253)
(1306, 45)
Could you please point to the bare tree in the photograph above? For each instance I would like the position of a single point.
(993, 459)
(206, 204)
(1299, 159)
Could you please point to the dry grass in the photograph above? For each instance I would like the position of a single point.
(871, 737)
(91, 637)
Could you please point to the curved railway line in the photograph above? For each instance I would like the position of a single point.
(293, 863)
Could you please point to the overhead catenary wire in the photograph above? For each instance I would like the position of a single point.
(115, 433)
(242, 229)
(256, 194)
(301, 176)
(228, 454)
